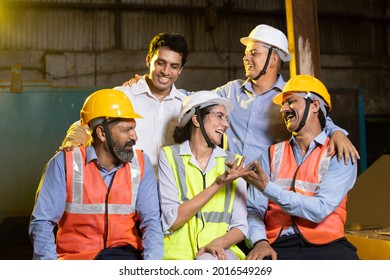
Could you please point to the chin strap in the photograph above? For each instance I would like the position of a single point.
(303, 121)
(108, 138)
(262, 72)
(209, 144)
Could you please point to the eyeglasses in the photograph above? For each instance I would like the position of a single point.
(219, 116)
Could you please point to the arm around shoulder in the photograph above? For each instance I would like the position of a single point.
(77, 135)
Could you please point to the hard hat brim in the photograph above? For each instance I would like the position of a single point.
(278, 99)
(184, 119)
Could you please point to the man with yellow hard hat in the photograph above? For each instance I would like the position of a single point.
(102, 197)
(298, 193)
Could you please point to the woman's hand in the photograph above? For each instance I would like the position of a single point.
(214, 248)
(236, 170)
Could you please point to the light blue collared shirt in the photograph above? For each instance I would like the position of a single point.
(51, 198)
(336, 183)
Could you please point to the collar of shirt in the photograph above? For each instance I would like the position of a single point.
(91, 156)
(143, 88)
(320, 139)
(217, 152)
(277, 87)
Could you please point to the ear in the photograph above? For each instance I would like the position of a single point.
(100, 133)
(195, 120)
(180, 70)
(273, 60)
(316, 106)
(147, 59)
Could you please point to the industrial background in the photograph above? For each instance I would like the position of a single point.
(54, 53)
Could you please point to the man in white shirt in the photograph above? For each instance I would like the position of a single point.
(155, 96)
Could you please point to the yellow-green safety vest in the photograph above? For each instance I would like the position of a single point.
(213, 220)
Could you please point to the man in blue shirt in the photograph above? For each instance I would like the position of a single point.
(297, 195)
(102, 197)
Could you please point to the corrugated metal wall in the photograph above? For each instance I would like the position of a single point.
(57, 30)
(72, 27)
(89, 25)
(353, 27)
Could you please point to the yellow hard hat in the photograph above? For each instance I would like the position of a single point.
(107, 103)
(304, 83)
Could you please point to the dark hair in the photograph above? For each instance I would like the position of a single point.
(182, 134)
(172, 41)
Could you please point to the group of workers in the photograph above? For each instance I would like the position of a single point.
(144, 173)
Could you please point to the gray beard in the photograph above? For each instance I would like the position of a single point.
(121, 154)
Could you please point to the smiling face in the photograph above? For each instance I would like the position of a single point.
(254, 58)
(293, 107)
(164, 69)
(216, 123)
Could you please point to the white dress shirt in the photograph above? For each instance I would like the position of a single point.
(156, 128)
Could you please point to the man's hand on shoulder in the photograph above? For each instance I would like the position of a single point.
(343, 147)
(132, 80)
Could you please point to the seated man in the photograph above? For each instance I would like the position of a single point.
(103, 197)
(297, 195)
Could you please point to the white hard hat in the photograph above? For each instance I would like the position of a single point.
(272, 37)
(201, 99)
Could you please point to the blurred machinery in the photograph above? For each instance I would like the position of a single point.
(368, 220)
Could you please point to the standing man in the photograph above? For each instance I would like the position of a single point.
(103, 197)
(297, 195)
(155, 96)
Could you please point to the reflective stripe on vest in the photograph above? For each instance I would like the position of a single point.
(214, 217)
(77, 207)
(283, 167)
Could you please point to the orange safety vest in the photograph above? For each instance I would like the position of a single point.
(98, 216)
(308, 175)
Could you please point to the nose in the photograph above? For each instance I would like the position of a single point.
(165, 69)
(227, 125)
(285, 107)
(133, 135)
